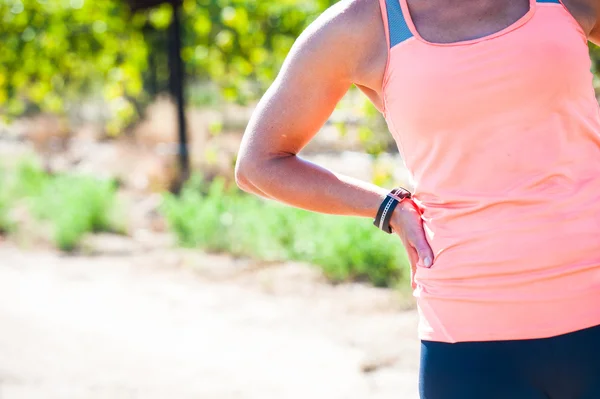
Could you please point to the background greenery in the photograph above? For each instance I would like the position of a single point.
(69, 205)
(57, 53)
(59, 50)
(212, 217)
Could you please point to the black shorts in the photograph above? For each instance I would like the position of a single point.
(562, 367)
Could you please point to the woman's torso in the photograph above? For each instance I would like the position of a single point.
(499, 126)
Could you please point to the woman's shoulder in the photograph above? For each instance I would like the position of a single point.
(585, 12)
(350, 32)
(346, 20)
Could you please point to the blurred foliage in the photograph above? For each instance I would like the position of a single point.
(57, 50)
(241, 44)
(72, 205)
(595, 56)
(220, 219)
(75, 206)
(6, 223)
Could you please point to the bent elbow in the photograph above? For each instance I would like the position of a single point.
(243, 175)
(254, 174)
(242, 182)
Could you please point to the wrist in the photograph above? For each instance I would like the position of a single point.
(381, 196)
(387, 207)
(405, 207)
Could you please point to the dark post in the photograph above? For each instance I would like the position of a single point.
(176, 79)
(176, 86)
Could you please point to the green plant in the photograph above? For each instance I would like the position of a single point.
(57, 50)
(76, 205)
(222, 220)
(6, 224)
(60, 50)
(350, 248)
(72, 205)
(29, 179)
(215, 218)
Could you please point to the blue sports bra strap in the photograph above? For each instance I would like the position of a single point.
(549, 1)
(399, 30)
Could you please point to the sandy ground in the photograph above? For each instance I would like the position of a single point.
(175, 325)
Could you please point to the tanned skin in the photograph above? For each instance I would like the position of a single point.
(346, 45)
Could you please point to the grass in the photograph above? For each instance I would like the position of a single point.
(212, 217)
(217, 219)
(6, 223)
(72, 205)
(75, 206)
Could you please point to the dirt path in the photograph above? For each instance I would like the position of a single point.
(178, 325)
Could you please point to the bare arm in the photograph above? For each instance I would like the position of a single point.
(587, 14)
(322, 65)
(339, 49)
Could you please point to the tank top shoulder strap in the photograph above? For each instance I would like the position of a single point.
(395, 24)
(397, 29)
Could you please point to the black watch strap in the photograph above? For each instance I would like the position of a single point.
(386, 209)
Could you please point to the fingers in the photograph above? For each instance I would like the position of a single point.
(409, 226)
(423, 249)
(413, 256)
(415, 235)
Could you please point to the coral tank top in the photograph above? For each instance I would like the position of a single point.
(501, 136)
